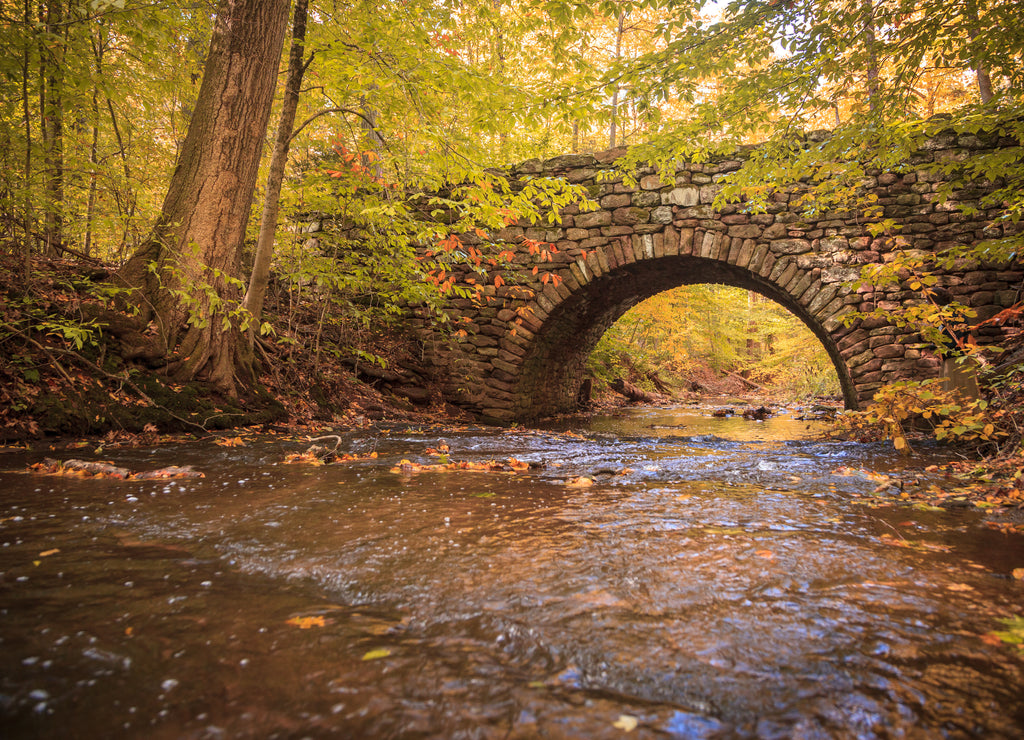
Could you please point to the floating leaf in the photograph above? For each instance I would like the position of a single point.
(1014, 634)
(305, 623)
(626, 723)
(377, 654)
(580, 482)
(47, 553)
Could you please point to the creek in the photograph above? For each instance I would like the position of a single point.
(716, 579)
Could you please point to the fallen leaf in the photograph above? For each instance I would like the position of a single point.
(959, 587)
(377, 654)
(626, 723)
(1018, 573)
(580, 482)
(47, 553)
(766, 554)
(305, 623)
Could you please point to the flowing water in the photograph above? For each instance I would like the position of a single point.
(717, 579)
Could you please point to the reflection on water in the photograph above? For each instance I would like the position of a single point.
(714, 581)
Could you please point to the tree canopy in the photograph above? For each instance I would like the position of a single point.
(426, 95)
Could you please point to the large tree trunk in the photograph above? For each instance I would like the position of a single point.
(186, 274)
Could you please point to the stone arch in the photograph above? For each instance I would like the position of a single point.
(553, 366)
(525, 339)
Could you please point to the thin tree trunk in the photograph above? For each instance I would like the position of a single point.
(187, 270)
(27, 114)
(127, 204)
(368, 123)
(980, 70)
(870, 46)
(260, 277)
(51, 82)
(90, 209)
(615, 95)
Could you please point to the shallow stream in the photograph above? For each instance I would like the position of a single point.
(716, 579)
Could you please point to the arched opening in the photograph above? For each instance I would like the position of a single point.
(554, 367)
(712, 339)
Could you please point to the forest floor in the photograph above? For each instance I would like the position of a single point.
(63, 380)
(62, 376)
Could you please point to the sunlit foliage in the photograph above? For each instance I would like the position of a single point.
(692, 331)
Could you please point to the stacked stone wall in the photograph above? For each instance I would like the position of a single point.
(525, 342)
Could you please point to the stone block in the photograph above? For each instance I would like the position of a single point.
(686, 241)
(707, 244)
(659, 244)
(788, 275)
(618, 200)
(580, 272)
(889, 351)
(686, 195)
(745, 231)
(735, 246)
(790, 246)
(746, 252)
(592, 219)
(708, 193)
(646, 200)
(629, 216)
(757, 258)
(661, 215)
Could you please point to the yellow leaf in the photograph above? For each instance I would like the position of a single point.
(989, 428)
(377, 654)
(899, 443)
(1018, 573)
(304, 623)
(626, 723)
(47, 553)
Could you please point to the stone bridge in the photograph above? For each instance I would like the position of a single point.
(526, 342)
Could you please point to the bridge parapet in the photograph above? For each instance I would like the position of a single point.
(526, 339)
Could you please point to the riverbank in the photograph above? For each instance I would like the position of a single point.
(62, 375)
